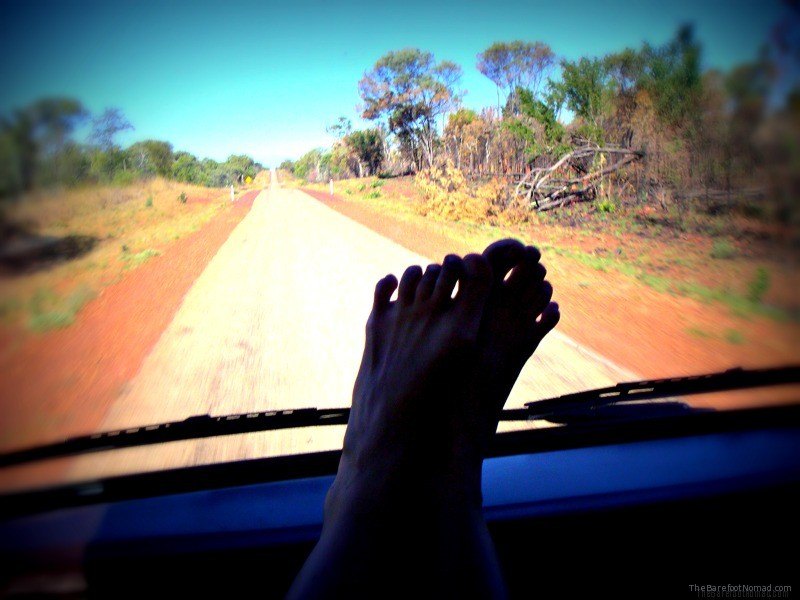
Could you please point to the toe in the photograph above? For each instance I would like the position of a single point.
(527, 274)
(542, 299)
(408, 284)
(452, 268)
(383, 292)
(503, 255)
(545, 324)
(473, 289)
(550, 316)
(428, 282)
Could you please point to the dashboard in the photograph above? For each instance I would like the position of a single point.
(713, 500)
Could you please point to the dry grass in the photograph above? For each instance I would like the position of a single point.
(132, 223)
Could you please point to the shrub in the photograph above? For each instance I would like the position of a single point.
(134, 260)
(50, 320)
(149, 202)
(182, 198)
(124, 178)
(447, 194)
(376, 184)
(606, 205)
(373, 194)
(48, 311)
(758, 286)
(723, 249)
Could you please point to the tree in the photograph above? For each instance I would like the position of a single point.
(671, 75)
(53, 120)
(545, 113)
(151, 157)
(308, 166)
(511, 65)
(39, 134)
(240, 166)
(214, 173)
(187, 168)
(586, 91)
(105, 164)
(341, 129)
(624, 71)
(10, 164)
(367, 146)
(106, 126)
(456, 129)
(410, 89)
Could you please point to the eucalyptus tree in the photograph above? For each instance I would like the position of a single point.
(410, 90)
(517, 64)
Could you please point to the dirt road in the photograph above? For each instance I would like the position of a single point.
(276, 321)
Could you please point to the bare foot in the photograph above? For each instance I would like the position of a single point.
(413, 379)
(405, 505)
(517, 316)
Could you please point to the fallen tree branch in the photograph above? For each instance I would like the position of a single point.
(544, 188)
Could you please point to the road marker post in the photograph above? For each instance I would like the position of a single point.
(231, 192)
(331, 186)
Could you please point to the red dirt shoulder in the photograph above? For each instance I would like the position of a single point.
(63, 382)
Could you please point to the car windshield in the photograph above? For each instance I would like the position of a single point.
(196, 202)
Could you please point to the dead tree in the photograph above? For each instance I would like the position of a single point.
(567, 180)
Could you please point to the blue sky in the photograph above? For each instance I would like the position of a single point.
(264, 78)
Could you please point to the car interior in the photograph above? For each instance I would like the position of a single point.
(598, 505)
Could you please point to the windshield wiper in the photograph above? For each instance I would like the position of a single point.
(622, 401)
(626, 400)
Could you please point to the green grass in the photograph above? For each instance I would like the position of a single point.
(734, 337)
(373, 195)
(738, 304)
(606, 205)
(48, 311)
(723, 250)
(758, 286)
(700, 333)
(135, 260)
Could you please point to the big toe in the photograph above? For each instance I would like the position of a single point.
(525, 280)
(502, 256)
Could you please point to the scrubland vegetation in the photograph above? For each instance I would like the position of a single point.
(727, 141)
(642, 161)
(39, 149)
